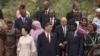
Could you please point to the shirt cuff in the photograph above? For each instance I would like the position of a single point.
(60, 44)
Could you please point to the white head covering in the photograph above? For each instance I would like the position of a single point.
(98, 10)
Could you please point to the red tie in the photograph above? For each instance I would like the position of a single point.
(48, 38)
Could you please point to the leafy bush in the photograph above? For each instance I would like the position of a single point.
(61, 7)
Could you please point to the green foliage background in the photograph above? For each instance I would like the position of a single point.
(61, 7)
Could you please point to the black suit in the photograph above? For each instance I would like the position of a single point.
(56, 23)
(1, 14)
(61, 38)
(70, 15)
(43, 17)
(73, 21)
(45, 48)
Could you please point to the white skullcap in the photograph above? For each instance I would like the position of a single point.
(98, 10)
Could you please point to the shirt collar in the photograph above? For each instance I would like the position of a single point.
(63, 26)
(52, 18)
(47, 10)
(26, 35)
(75, 11)
(46, 34)
(22, 18)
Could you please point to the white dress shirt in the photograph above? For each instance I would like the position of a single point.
(96, 20)
(77, 22)
(64, 30)
(75, 11)
(47, 11)
(23, 19)
(52, 20)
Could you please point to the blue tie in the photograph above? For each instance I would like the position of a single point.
(64, 30)
(46, 12)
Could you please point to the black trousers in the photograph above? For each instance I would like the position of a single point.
(62, 51)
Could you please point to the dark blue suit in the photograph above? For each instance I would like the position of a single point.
(45, 48)
(43, 17)
(19, 23)
(75, 44)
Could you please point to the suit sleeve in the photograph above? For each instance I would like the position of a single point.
(67, 46)
(1, 14)
(15, 25)
(39, 46)
(81, 14)
(56, 31)
(57, 45)
(40, 17)
(68, 16)
(81, 45)
(30, 23)
(58, 22)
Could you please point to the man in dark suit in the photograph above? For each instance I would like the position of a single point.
(47, 42)
(23, 21)
(61, 32)
(1, 14)
(76, 19)
(74, 41)
(43, 15)
(52, 19)
(76, 8)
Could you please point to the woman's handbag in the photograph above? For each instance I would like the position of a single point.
(96, 52)
(90, 52)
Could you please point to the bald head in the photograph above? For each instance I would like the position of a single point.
(46, 5)
(63, 21)
(51, 13)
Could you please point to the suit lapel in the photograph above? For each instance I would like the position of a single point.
(54, 20)
(44, 36)
(21, 21)
(51, 37)
(76, 36)
(66, 30)
(24, 21)
(62, 31)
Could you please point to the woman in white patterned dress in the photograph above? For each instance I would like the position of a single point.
(26, 46)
